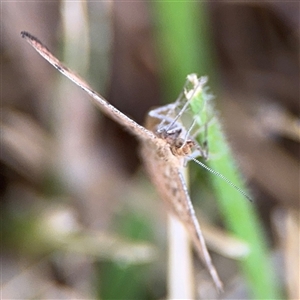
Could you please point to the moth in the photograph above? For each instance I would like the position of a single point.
(166, 146)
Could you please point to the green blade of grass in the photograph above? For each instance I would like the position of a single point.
(183, 42)
(239, 214)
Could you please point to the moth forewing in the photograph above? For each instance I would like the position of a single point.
(106, 108)
(165, 170)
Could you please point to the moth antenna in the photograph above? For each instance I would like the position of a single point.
(221, 176)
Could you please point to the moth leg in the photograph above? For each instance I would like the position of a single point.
(187, 134)
(163, 113)
(204, 147)
(167, 127)
(159, 112)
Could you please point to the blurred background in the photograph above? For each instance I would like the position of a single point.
(80, 219)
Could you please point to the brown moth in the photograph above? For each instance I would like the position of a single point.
(165, 145)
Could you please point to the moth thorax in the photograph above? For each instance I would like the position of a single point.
(170, 133)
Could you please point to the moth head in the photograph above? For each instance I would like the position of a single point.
(182, 147)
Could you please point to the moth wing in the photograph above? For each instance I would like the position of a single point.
(103, 105)
(171, 187)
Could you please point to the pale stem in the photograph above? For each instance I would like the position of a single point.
(180, 260)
